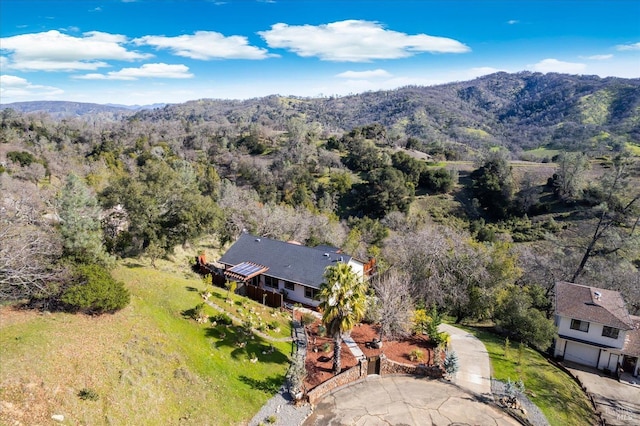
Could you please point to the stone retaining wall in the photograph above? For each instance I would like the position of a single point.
(388, 367)
(349, 376)
(359, 372)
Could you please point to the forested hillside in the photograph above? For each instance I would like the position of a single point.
(425, 179)
(517, 111)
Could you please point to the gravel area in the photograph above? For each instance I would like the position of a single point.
(285, 412)
(281, 406)
(534, 415)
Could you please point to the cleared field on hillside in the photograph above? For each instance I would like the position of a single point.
(147, 364)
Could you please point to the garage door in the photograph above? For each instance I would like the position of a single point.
(582, 354)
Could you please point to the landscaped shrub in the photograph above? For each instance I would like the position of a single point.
(274, 325)
(421, 321)
(272, 419)
(451, 365)
(416, 355)
(221, 319)
(440, 338)
(307, 319)
(95, 291)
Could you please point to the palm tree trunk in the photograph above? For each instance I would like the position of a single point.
(337, 348)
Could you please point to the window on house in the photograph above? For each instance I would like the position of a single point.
(311, 293)
(610, 332)
(579, 325)
(289, 286)
(270, 282)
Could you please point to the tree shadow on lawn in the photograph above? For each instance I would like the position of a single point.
(245, 345)
(189, 288)
(269, 385)
(188, 313)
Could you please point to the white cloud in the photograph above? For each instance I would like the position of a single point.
(554, 65)
(13, 89)
(513, 22)
(355, 41)
(599, 57)
(145, 71)
(634, 46)
(44, 65)
(54, 51)
(205, 45)
(379, 73)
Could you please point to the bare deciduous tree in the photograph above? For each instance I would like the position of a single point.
(394, 302)
(29, 246)
(617, 216)
(27, 256)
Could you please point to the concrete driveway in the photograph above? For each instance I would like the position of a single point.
(619, 402)
(404, 400)
(417, 401)
(474, 374)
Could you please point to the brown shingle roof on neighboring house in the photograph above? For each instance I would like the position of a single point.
(592, 304)
(632, 341)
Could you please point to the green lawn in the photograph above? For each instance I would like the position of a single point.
(554, 392)
(148, 364)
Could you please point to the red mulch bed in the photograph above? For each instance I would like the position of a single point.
(319, 364)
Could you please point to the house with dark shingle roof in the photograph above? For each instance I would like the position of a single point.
(595, 328)
(290, 268)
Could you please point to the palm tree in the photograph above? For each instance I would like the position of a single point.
(342, 304)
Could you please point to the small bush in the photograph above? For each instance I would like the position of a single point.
(87, 394)
(273, 325)
(272, 419)
(198, 313)
(322, 330)
(21, 157)
(416, 355)
(307, 319)
(95, 291)
(421, 321)
(326, 347)
(440, 338)
(451, 365)
(222, 319)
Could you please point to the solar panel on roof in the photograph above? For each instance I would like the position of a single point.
(246, 268)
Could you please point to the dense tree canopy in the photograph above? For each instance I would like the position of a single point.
(494, 187)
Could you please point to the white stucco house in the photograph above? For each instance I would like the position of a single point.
(286, 267)
(595, 328)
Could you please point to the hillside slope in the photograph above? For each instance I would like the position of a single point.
(518, 111)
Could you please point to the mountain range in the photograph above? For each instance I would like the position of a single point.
(518, 111)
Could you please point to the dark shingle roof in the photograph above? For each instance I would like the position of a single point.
(285, 260)
(592, 304)
(632, 342)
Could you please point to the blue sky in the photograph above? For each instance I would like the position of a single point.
(165, 51)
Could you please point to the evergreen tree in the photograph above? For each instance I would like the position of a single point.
(451, 365)
(80, 223)
(494, 186)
